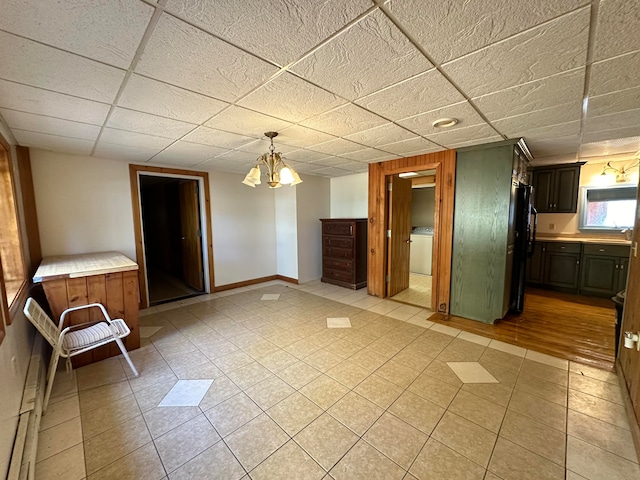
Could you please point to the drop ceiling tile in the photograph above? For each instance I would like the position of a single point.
(291, 98)
(413, 145)
(305, 156)
(190, 152)
(108, 32)
(44, 102)
(605, 135)
(217, 138)
(614, 102)
(448, 30)
(122, 137)
(158, 98)
(383, 135)
(369, 155)
(246, 122)
(345, 120)
(617, 30)
(31, 63)
(537, 95)
(261, 146)
(223, 164)
(133, 121)
(518, 125)
(124, 152)
(332, 172)
(424, 92)
(251, 24)
(356, 167)
(236, 157)
(297, 136)
(190, 58)
(370, 55)
(554, 47)
(476, 142)
(459, 135)
(54, 143)
(607, 148)
(331, 162)
(50, 125)
(338, 146)
(423, 124)
(613, 121)
(551, 131)
(619, 73)
(556, 146)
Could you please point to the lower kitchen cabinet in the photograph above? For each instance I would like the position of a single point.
(604, 270)
(562, 265)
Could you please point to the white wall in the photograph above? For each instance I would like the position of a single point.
(286, 231)
(83, 204)
(313, 203)
(350, 196)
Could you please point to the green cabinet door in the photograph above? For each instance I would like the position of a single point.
(535, 265)
(566, 190)
(600, 274)
(622, 274)
(562, 270)
(543, 190)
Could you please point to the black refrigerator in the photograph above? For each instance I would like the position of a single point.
(524, 243)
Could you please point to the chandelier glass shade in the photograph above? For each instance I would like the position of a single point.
(277, 171)
(622, 174)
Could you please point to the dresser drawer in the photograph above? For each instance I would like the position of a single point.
(338, 275)
(335, 252)
(609, 250)
(337, 228)
(338, 264)
(340, 242)
(563, 247)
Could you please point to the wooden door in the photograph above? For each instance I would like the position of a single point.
(399, 242)
(630, 357)
(191, 235)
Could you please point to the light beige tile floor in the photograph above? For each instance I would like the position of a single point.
(293, 399)
(419, 291)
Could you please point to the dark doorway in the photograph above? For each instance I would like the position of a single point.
(172, 237)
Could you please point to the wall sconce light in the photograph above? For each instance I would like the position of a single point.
(622, 173)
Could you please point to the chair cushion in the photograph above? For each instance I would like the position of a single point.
(87, 336)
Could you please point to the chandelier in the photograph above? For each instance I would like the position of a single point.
(622, 174)
(278, 172)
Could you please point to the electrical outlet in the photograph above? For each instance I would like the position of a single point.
(552, 226)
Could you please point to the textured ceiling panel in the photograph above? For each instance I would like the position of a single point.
(336, 147)
(50, 125)
(616, 74)
(109, 32)
(44, 102)
(261, 146)
(421, 93)
(185, 151)
(423, 124)
(133, 121)
(332, 162)
(31, 63)
(551, 131)
(629, 145)
(618, 27)
(124, 152)
(305, 156)
(614, 134)
(519, 125)
(190, 58)
(405, 147)
(476, 141)
(302, 137)
(152, 96)
(122, 137)
(537, 95)
(246, 122)
(613, 121)
(251, 24)
(370, 55)
(345, 120)
(556, 146)
(332, 172)
(53, 142)
(455, 136)
(614, 102)
(551, 48)
(291, 98)
(217, 138)
(356, 167)
(369, 155)
(449, 29)
(383, 135)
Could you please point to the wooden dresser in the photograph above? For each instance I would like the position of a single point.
(344, 252)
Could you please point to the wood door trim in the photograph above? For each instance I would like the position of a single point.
(445, 165)
(137, 221)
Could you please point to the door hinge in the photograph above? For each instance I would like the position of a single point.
(388, 233)
(387, 279)
(199, 233)
(390, 186)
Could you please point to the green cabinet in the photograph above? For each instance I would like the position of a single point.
(562, 265)
(604, 270)
(555, 189)
(535, 265)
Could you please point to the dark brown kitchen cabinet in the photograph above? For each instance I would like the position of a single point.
(604, 270)
(535, 265)
(344, 252)
(562, 265)
(555, 189)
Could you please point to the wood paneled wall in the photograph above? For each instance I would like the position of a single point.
(445, 165)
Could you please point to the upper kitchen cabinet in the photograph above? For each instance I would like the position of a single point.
(484, 232)
(555, 188)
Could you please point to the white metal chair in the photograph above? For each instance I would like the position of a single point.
(75, 339)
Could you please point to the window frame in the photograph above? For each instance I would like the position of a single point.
(582, 217)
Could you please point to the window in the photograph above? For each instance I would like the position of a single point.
(12, 267)
(608, 208)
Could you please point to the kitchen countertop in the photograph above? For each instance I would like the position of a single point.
(83, 265)
(605, 240)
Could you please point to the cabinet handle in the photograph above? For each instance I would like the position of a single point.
(563, 248)
(577, 262)
(350, 229)
(617, 266)
(601, 249)
(621, 266)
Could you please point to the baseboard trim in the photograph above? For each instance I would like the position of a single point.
(634, 423)
(254, 281)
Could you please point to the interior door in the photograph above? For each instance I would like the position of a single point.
(191, 235)
(630, 357)
(399, 242)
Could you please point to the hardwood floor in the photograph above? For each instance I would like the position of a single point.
(568, 326)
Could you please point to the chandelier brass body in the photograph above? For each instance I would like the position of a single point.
(278, 172)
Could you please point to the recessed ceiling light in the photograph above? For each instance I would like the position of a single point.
(445, 123)
(408, 174)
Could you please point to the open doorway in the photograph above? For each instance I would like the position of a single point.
(172, 237)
